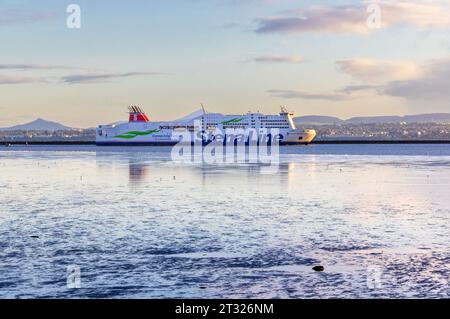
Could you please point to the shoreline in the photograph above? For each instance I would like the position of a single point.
(336, 142)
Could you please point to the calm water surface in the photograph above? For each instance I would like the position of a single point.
(141, 226)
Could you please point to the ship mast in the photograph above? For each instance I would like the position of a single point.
(203, 108)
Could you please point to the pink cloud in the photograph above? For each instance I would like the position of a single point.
(422, 14)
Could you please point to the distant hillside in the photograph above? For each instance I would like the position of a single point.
(317, 119)
(433, 117)
(375, 119)
(420, 118)
(191, 116)
(38, 125)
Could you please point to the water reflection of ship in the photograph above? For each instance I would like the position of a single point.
(138, 171)
(285, 174)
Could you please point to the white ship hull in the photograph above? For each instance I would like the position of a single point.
(140, 131)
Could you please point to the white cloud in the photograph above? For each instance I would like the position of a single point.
(5, 79)
(408, 80)
(434, 84)
(413, 82)
(422, 14)
(67, 79)
(297, 94)
(94, 78)
(9, 17)
(26, 67)
(278, 59)
(372, 70)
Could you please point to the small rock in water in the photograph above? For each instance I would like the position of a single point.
(318, 268)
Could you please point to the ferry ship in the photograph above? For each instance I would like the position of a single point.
(141, 131)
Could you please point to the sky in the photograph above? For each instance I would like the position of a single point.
(336, 58)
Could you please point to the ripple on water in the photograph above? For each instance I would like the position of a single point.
(136, 232)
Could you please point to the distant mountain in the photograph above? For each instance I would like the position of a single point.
(420, 118)
(317, 119)
(375, 119)
(37, 125)
(118, 123)
(433, 117)
(191, 116)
